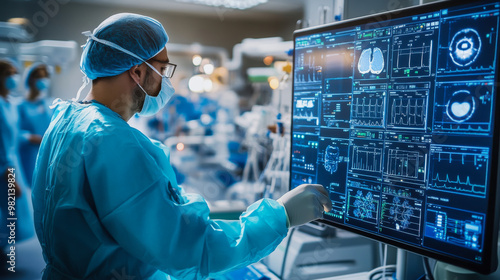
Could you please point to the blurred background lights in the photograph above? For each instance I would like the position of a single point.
(196, 60)
(195, 84)
(274, 83)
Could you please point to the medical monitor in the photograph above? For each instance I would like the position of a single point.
(397, 115)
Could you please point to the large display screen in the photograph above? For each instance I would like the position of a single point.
(395, 114)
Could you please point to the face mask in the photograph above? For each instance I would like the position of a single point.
(12, 81)
(153, 104)
(42, 84)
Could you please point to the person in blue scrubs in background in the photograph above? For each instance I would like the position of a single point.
(10, 167)
(34, 115)
(106, 201)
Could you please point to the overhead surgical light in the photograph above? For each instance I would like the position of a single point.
(208, 68)
(195, 84)
(180, 146)
(200, 84)
(231, 4)
(196, 60)
(207, 85)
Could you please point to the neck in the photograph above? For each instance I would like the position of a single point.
(33, 94)
(114, 93)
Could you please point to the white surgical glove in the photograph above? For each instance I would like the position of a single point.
(305, 203)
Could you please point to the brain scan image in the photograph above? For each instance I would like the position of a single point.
(461, 106)
(371, 61)
(332, 159)
(465, 47)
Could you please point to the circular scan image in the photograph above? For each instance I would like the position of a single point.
(461, 106)
(465, 47)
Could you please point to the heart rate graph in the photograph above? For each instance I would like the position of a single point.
(459, 170)
(412, 55)
(306, 109)
(403, 163)
(309, 68)
(366, 157)
(407, 109)
(368, 109)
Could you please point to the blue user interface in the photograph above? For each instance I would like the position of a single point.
(395, 118)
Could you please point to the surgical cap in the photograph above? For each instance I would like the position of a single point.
(141, 35)
(29, 71)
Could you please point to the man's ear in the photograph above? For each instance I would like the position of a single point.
(136, 73)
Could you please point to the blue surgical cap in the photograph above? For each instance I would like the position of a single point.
(29, 71)
(141, 35)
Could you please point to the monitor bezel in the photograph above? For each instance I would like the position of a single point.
(492, 223)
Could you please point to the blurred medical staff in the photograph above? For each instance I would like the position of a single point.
(10, 167)
(34, 115)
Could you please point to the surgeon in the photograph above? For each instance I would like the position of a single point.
(13, 190)
(106, 201)
(34, 115)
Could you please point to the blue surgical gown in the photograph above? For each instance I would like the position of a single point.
(107, 205)
(10, 137)
(34, 117)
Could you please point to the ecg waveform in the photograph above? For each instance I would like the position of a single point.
(458, 185)
(403, 163)
(309, 68)
(306, 111)
(412, 55)
(366, 159)
(462, 171)
(368, 108)
(408, 112)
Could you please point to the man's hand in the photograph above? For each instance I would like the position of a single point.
(305, 203)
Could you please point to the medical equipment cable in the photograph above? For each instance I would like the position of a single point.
(427, 268)
(286, 252)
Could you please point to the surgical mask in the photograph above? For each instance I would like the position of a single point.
(152, 104)
(11, 82)
(42, 84)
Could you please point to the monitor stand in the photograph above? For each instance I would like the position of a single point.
(401, 264)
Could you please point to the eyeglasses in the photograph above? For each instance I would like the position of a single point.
(168, 70)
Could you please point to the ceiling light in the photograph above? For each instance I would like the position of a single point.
(231, 4)
(196, 60)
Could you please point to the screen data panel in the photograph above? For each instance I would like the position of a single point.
(396, 119)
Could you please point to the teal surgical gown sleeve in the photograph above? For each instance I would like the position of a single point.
(123, 190)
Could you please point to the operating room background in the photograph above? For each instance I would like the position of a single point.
(207, 26)
(221, 28)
